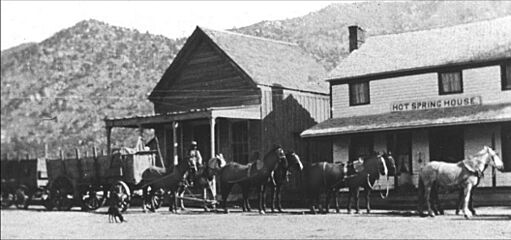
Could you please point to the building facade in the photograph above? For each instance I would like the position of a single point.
(439, 94)
(237, 95)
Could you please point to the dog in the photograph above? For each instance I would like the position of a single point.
(114, 211)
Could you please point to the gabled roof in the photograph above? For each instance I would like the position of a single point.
(411, 119)
(265, 61)
(467, 43)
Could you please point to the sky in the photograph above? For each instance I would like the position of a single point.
(34, 21)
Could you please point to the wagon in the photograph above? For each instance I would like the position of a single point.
(24, 182)
(88, 181)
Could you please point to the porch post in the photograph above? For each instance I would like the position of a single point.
(108, 141)
(174, 143)
(212, 140)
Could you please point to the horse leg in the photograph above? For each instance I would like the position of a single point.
(468, 188)
(420, 192)
(434, 198)
(327, 200)
(226, 189)
(336, 195)
(272, 197)
(244, 204)
(311, 198)
(459, 203)
(470, 203)
(350, 193)
(368, 200)
(144, 198)
(427, 193)
(261, 199)
(279, 199)
(357, 204)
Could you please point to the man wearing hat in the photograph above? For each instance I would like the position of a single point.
(194, 154)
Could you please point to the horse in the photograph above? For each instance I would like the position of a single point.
(464, 174)
(322, 177)
(203, 177)
(161, 178)
(280, 176)
(365, 175)
(254, 174)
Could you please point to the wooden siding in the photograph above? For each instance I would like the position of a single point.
(286, 113)
(483, 81)
(206, 78)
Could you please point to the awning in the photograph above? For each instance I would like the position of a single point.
(411, 119)
(149, 121)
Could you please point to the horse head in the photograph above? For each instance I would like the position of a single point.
(496, 161)
(274, 157)
(294, 162)
(215, 164)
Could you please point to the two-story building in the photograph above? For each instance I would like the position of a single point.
(439, 94)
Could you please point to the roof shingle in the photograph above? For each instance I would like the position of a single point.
(472, 42)
(411, 119)
(270, 62)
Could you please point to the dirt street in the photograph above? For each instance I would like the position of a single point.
(35, 223)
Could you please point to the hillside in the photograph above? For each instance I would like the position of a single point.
(80, 75)
(92, 70)
(325, 33)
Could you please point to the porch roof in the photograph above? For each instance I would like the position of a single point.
(411, 119)
(149, 121)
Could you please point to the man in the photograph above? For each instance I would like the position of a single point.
(194, 154)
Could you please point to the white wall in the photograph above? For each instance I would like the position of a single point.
(483, 81)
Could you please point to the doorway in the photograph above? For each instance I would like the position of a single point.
(400, 145)
(446, 144)
(506, 146)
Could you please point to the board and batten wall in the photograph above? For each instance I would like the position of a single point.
(481, 81)
(286, 113)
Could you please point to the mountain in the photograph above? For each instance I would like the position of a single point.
(92, 70)
(325, 33)
(79, 75)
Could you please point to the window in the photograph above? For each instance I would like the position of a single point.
(240, 141)
(360, 146)
(506, 76)
(359, 93)
(450, 82)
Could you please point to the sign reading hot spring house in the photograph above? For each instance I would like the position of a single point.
(436, 103)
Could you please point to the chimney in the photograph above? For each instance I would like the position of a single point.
(356, 37)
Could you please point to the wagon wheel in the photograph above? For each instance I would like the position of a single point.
(90, 200)
(7, 198)
(156, 198)
(61, 192)
(21, 198)
(123, 191)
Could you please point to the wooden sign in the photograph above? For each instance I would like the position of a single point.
(460, 101)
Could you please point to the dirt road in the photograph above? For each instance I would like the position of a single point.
(34, 223)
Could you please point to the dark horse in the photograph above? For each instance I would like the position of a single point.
(254, 174)
(322, 177)
(161, 178)
(280, 176)
(366, 175)
(202, 179)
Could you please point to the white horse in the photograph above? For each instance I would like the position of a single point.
(462, 174)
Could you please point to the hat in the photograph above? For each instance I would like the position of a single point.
(194, 143)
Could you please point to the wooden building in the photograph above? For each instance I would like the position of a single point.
(237, 95)
(439, 94)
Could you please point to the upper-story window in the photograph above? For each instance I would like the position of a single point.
(359, 93)
(450, 82)
(506, 76)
